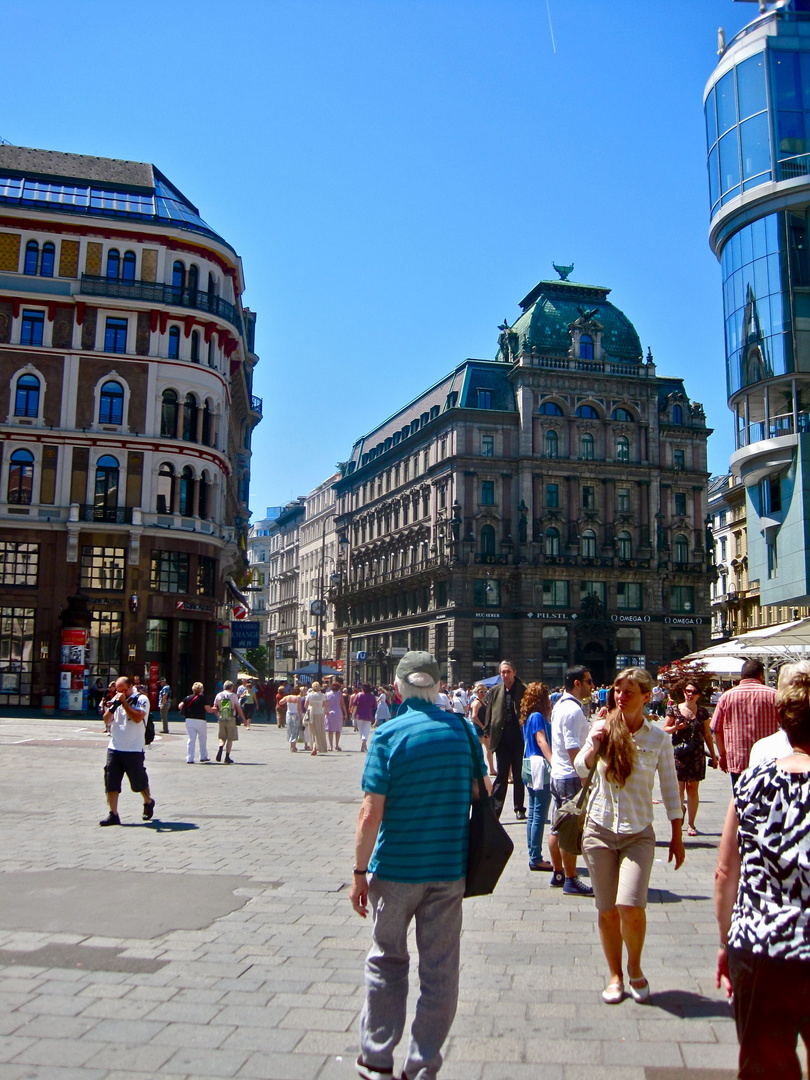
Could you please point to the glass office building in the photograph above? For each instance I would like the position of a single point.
(757, 109)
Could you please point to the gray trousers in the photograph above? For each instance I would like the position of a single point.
(436, 908)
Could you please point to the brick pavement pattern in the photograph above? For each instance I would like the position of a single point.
(218, 940)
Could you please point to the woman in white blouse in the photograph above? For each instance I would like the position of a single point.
(618, 843)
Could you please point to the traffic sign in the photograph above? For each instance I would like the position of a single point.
(362, 656)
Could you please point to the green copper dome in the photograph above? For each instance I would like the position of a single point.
(552, 306)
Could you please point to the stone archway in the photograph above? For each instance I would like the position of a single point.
(594, 656)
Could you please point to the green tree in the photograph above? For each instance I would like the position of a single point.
(259, 659)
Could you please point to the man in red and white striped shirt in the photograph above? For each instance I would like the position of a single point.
(744, 714)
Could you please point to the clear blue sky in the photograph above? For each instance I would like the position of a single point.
(397, 174)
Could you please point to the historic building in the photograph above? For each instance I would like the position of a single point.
(126, 413)
(318, 565)
(283, 602)
(757, 109)
(548, 506)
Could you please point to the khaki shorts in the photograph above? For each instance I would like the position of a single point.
(619, 864)
(227, 729)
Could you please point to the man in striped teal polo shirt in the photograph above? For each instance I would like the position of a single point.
(410, 863)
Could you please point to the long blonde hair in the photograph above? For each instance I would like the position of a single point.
(619, 749)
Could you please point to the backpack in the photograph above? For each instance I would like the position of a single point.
(148, 730)
(225, 708)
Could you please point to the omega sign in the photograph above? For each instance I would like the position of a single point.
(684, 620)
(631, 618)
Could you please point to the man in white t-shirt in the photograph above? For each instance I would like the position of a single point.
(443, 699)
(569, 730)
(461, 700)
(126, 719)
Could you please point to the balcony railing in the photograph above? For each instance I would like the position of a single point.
(399, 574)
(482, 559)
(113, 515)
(256, 405)
(155, 292)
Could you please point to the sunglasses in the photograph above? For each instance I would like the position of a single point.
(691, 691)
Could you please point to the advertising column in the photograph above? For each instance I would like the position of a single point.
(73, 670)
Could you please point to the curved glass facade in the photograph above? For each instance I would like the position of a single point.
(737, 132)
(756, 306)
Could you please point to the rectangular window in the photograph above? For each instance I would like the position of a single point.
(442, 449)
(588, 498)
(33, 324)
(487, 593)
(592, 588)
(682, 598)
(723, 550)
(157, 635)
(623, 500)
(679, 460)
(552, 496)
(16, 655)
(773, 560)
(722, 519)
(487, 643)
(487, 492)
(104, 660)
(169, 571)
(628, 595)
(484, 399)
(103, 568)
(488, 445)
(555, 594)
(419, 639)
(207, 575)
(19, 563)
(738, 544)
(115, 336)
(680, 504)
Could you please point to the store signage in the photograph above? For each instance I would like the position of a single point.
(488, 615)
(631, 619)
(684, 620)
(192, 605)
(245, 635)
(630, 660)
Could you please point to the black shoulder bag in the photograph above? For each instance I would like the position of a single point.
(490, 845)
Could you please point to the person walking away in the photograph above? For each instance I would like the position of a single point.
(226, 709)
(569, 730)
(126, 718)
(443, 699)
(365, 707)
(248, 702)
(293, 717)
(762, 895)
(336, 714)
(506, 739)
(535, 711)
(419, 769)
(743, 715)
(164, 703)
(618, 843)
(194, 710)
(461, 700)
(383, 710)
(690, 728)
(316, 712)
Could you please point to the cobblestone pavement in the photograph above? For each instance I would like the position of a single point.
(218, 940)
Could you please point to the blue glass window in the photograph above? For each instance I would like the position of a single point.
(487, 540)
(726, 103)
(677, 415)
(790, 137)
(174, 343)
(105, 500)
(113, 263)
(488, 493)
(178, 275)
(111, 404)
(751, 93)
(26, 399)
(587, 412)
(729, 165)
(711, 121)
(714, 179)
(786, 81)
(195, 359)
(31, 257)
(115, 336)
(552, 444)
(585, 347)
(756, 149)
(33, 324)
(550, 408)
(21, 477)
(624, 415)
(128, 266)
(48, 255)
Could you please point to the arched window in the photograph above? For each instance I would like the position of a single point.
(586, 447)
(21, 477)
(174, 342)
(487, 540)
(31, 257)
(677, 414)
(681, 549)
(128, 266)
(552, 444)
(195, 346)
(113, 263)
(552, 542)
(168, 415)
(202, 497)
(186, 491)
(26, 399)
(206, 424)
(165, 489)
(587, 544)
(585, 347)
(550, 408)
(623, 414)
(622, 449)
(190, 419)
(105, 502)
(624, 545)
(193, 279)
(111, 404)
(48, 257)
(178, 275)
(587, 412)
(212, 359)
(212, 287)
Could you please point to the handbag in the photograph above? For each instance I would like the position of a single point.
(490, 846)
(569, 819)
(526, 772)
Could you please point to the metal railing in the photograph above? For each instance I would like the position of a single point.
(156, 292)
(399, 574)
(256, 405)
(114, 515)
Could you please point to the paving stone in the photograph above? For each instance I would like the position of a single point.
(207, 1062)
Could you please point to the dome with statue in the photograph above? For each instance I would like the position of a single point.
(564, 318)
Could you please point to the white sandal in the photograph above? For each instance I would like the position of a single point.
(613, 994)
(640, 994)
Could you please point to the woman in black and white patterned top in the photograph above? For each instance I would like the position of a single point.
(762, 896)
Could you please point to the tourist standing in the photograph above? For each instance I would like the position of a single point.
(506, 739)
(164, 703)
(365, 707)
(336, 715)
(535, 711)
(126, 717)
(743, 715)
(227, 708)
(315, 713)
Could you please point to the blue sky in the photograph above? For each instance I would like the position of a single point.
(398, 174)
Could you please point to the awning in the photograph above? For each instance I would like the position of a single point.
(232, 589)
(243, 660)
(312, 669)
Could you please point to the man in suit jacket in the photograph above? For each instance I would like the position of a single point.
(506, 739)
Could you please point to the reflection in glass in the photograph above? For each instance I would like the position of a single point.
(729, 162)
(711, 121)
(756, 151)
(791, 133)
(751, 86)
(726, 105)
(786, 80)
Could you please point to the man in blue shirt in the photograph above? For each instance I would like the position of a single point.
(411, 863)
